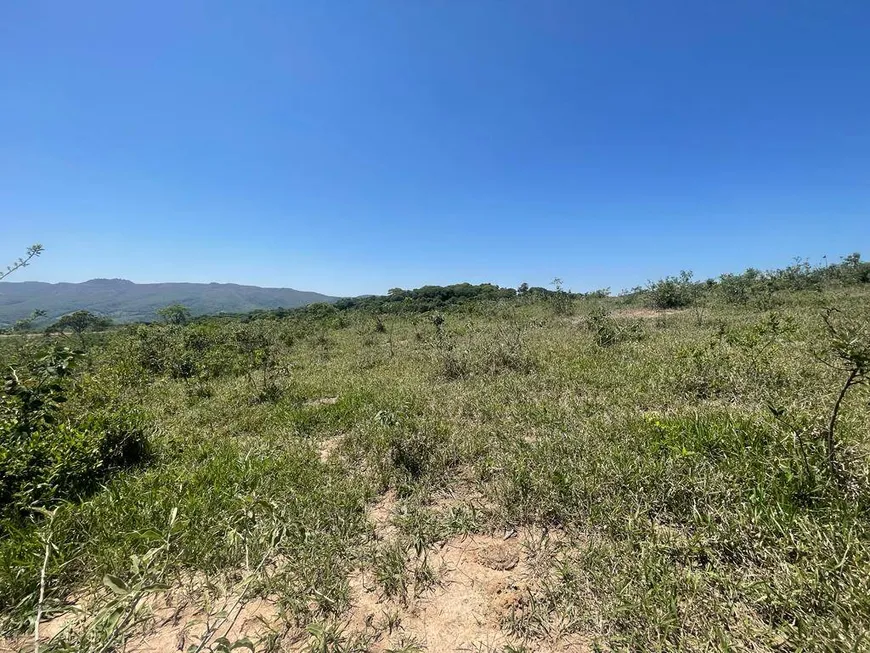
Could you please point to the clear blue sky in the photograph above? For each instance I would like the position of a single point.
(352, 146)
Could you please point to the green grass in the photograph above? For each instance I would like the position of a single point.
(680, 458)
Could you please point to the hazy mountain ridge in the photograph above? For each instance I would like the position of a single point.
(126, 301)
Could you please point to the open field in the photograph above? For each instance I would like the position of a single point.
(527, 474)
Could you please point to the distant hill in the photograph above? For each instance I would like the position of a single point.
(125, 301)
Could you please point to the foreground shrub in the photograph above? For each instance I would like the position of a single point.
(65, 461)
(45, 454)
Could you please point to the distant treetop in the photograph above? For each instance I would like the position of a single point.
(175, 313)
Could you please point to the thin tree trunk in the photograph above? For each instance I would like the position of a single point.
(830, 441)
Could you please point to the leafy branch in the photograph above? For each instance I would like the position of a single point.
(32, 252)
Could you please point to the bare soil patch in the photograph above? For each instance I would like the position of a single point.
(482, 581)
(322, 401)
(170, 621)
(327, 448)
(645, 313)
(382, 513)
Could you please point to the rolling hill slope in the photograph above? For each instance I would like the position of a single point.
(125, 301)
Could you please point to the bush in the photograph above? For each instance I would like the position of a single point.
(673, 292)
(47, 455)
(739, 288)
(65, 461)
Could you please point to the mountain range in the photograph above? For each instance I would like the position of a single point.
(125, 301)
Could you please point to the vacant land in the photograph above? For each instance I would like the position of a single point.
(538, 473)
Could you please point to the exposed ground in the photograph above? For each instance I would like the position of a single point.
(479, 586)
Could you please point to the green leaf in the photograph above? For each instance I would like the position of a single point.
(151, 535)
(115, 584)
(151, 554)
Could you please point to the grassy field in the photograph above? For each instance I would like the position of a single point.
(516, 475)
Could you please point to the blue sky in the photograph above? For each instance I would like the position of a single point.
(349, 147)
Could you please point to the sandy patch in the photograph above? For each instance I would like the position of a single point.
(326, 448)
(482, 583)
(382, 513)
(322, 401)
(169, 621)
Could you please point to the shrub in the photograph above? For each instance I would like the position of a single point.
(44, 455)
(65, 461)
(561, 299)
(739, 288)
(849, 347)
(673, 292)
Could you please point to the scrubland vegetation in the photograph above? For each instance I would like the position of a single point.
(679, 468)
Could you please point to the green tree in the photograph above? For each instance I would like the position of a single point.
(80, 322)
(175, 314)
